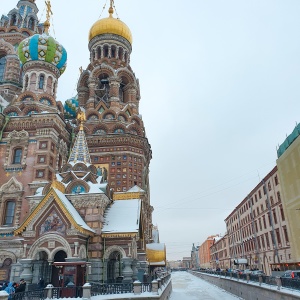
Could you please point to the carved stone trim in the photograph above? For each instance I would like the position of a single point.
(112, 249)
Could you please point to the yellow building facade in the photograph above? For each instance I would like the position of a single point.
(288, 164)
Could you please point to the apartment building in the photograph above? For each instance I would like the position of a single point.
(258, 234)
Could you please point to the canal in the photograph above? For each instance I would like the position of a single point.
(188, 287)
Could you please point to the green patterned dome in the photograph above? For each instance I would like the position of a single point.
(43, 47)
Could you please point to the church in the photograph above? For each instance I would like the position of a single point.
(74, 176)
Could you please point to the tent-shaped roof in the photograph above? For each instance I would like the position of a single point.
(67, 207)
(122, 217)
(135, 189)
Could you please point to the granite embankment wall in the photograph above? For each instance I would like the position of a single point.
(246, 290)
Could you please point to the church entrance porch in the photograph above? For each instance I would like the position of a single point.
(114, 268)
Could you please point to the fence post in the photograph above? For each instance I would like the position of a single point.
(248, 277)
(278, 282)
(159, 282)
(86, 291)
(154, 287)
(260, 280)
(3, 295)
(137, 287)
(49, 289)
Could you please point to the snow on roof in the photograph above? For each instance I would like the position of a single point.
(3, 102)
(71, 209)
(156, 246)
(135, 189)
(94, 188)
(217, 238)
(123, 216)
(39, 191)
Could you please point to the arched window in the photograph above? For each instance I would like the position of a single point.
(121, 53)
(9, 213)
(2, 67)
(13, 20)
(41, 81)
(31, 24)
(17, 156)
(119, 130)
(98, 52)
(26, 82)
(105, 51)
(113, 52)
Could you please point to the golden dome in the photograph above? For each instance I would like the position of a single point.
(110, 25)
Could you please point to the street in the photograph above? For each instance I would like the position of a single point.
(189, 287)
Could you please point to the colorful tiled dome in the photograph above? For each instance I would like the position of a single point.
(71, 107)
(43, 47)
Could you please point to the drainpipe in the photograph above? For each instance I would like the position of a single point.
(103, 260)
(5, 124)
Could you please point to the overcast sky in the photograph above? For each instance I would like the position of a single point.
(220, 90)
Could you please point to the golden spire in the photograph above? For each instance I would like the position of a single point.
(49, 12)
(81, 118)
(111, 10)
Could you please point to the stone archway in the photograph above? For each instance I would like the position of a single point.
(49, 239)
(41, 267)
(113, 263)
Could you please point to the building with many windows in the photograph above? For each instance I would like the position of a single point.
(74, 184)
(219, 252)
(258, 233)
(204, 252)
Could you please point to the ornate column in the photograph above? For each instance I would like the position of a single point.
(92, 82)
(134, 270)
(114, 83)
(127, 271)
(27, 270)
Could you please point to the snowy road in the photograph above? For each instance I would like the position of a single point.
(189, 287)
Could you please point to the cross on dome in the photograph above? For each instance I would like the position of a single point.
(48, 13)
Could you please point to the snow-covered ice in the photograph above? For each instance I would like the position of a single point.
(189, 287)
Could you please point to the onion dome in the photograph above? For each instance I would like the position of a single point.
(43, 47)
(110, 25)
(71, 107)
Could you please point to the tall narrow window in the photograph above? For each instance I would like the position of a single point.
(285, 234)
(2, 67)
(31, 24)
(9, 213)
(41, 81)
(282, 213)
(17, 156)
(13, 20)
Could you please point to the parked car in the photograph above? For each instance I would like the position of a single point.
(237, 271)
(247, 271)
(294, 274)
(257, 273)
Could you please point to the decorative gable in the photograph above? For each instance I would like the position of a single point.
(54, 213)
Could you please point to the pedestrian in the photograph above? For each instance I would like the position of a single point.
(41, 283)
(22, 286)
(10, 290)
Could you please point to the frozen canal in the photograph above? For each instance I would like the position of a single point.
(189, 287)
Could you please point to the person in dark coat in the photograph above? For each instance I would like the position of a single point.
(41, 284)
(22, 286)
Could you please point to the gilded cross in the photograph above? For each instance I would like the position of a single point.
(49, 12)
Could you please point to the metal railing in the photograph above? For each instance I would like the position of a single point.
(146, 287)
(67, 292)
(269, 280)
(111, 288)
(30, 295)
